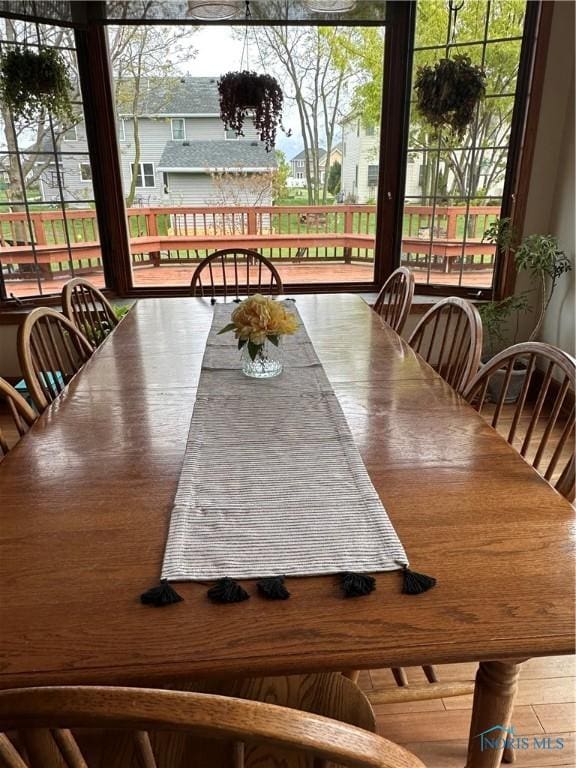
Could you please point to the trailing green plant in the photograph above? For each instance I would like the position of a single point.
(448, 92)
(248, 93)
(542, 258)
(35, 81)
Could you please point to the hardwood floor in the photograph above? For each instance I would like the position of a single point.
(437, 730)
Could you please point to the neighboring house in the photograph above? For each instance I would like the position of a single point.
(360, 151)
(183, 142)
(298, 164)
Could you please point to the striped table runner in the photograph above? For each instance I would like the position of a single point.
(272, 482)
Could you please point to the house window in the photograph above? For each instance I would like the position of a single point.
(372, 175)
(178, 129)
(71, 134)
(121, 128)
(145, 175)
(369, 130)
(85, 172)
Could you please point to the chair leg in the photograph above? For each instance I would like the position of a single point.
(509, 755)
(430, 673)
(400, 676)
(352, 674)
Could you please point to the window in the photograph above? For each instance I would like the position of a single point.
(145, 175)
(178, 129)
(454, 186)
(372, 175)
(71, 134)
(369, 130)
(121, 127)
(85, 172)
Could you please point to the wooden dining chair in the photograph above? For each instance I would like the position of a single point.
(449, 338)
(136, 727)
(89, 310)
(21, 416)
(395, 298)
(235, 271)
(538, 417)
(51, 350)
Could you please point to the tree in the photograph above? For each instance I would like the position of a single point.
(280, 176)
(334, 178)
(315, 76)
(476, 165)
(232, 187)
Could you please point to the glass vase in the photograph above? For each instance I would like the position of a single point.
(266, 363)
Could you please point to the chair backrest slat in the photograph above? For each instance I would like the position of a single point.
(449, 338)
(51, 351)
(224, 269)
(207, 716)
(395, 298)
(20, 412)
(89, 310)
(542, 408)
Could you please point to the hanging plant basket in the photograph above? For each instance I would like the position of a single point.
(244, 93)
(35, 81)
(448, 92)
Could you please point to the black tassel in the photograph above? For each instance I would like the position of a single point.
(273, 588)
(227, 591)
(161, 595)
(213, 300)
(357, 584)
(416, 583)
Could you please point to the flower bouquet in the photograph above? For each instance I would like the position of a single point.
(258, 323)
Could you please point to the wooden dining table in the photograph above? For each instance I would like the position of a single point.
(85, 501)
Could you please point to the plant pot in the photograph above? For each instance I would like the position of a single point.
(515, 384)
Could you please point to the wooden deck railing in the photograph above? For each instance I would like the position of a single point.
(169, 235)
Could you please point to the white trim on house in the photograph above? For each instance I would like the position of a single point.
(168, 115)
(183, 122)
(121, 129)
(209, 169)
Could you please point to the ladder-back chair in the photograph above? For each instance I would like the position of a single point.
(234, 271)
(144, 722)
(21, 415)
(88, 309)
(449, 338)
(51, 350)
(395, 298)
(539, 409)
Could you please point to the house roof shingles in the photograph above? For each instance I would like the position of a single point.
(182, 96)
(219, 154)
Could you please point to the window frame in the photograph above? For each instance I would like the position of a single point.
(140, 173)
(72, 128)
(82, 179)
(183, 121)
(102, 138)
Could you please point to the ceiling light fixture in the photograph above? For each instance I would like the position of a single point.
(331, 6)
(214, 11)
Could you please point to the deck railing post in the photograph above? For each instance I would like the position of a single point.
(348, 230)
(152, 231)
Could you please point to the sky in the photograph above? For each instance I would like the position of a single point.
(220, 52)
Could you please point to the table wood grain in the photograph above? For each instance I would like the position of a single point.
(85, 500)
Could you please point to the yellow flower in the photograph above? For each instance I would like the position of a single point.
(259, 317)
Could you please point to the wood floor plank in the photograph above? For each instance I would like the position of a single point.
(451, 754)
(430, 705)
(446, 725)
(555, 690)
(556, 717)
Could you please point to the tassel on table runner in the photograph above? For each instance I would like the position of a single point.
(357, 584)
(161, 595)
(227, 591)
(416, 583)
(273, 588)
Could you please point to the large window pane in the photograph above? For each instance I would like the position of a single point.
(192, 187)
(454, 185)
(48, 229)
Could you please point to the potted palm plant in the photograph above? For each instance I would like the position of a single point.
(248, 93)
(32, 82)
(539, 255)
